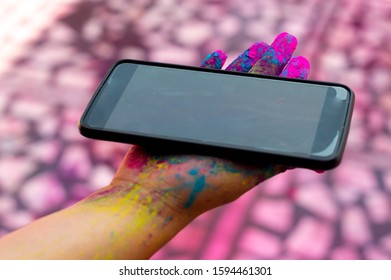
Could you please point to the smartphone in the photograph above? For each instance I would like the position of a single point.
(240, 116)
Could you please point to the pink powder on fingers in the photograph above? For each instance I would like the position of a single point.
(248, 58)
(285, 44)
(270, 64)
(215, 60)
(298, 68)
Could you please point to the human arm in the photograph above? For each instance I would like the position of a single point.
(153, 195)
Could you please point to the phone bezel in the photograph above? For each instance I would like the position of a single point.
(165, 145)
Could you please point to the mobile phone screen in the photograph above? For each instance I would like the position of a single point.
(246, 112)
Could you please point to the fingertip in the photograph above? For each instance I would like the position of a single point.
(286, 44)
(214, 60)
(256, 50)
(301, 61)
(297, 68)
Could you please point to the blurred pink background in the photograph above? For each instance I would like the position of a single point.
(54, 53)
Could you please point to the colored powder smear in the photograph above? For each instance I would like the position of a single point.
(298, 67)
(246, 60)
(269, 64)
(199, 185)
(136, 159)
(285, 44)
(274, 59)
(193, 172)
(214, 60)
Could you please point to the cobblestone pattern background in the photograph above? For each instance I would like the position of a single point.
(54, 53)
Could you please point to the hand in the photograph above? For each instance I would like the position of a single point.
(154, 195)
(193, 184)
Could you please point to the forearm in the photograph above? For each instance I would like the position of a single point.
(118, 222)
(148, 202)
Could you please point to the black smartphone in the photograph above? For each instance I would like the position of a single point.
(241, 116)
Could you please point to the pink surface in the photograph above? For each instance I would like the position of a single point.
(52, 63)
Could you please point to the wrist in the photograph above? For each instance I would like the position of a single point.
(130, 213)
(150, 197)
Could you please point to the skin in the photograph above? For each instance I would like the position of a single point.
(154, 195)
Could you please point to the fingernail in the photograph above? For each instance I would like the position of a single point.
(215, 60)
(286, 44)
(248, 58)
(298, 68)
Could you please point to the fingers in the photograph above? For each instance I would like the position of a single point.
(261, 58)
(273, 61)
(214, 60)
(297, 68)
(248, 58)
